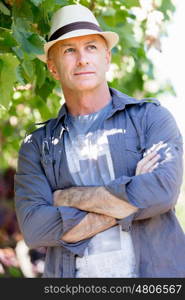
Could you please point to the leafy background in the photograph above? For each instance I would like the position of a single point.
(28, 93)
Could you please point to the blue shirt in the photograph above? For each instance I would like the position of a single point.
(109, 253)
(156, 233)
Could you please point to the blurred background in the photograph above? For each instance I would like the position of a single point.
(148, 62)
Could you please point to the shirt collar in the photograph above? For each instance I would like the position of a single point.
(119, 101)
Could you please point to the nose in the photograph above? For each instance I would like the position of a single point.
(82, 58)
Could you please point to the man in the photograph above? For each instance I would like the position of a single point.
(97, 185)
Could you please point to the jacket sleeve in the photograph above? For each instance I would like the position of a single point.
(156, 192)
(40, 222)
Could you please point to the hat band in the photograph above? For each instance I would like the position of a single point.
(73, 26)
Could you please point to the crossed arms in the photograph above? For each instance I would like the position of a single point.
(152, 192)
(103, 207)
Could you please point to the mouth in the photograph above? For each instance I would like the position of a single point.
(83, 73)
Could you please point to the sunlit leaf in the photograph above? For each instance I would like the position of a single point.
(6, 40)
(7, 78)
(4, 9)
(131, 3)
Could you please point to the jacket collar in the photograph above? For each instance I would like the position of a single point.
(119, 100)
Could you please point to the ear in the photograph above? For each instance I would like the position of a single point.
(52, 68)
(108, 56)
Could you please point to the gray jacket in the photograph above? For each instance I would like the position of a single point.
(158, 239)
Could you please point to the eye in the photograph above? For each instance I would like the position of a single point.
(92, 47)
(69, 50)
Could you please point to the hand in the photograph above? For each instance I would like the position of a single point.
(89, 226)
(94, 199)
(149, 162)
(60, 197)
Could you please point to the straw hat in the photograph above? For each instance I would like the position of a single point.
(72, 21)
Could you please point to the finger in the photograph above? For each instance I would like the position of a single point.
(143, 161)
(147, 158)
(156, 148)
(153, 148)
(150, 164)
(146, 163)
(160, 146)
(153, 167)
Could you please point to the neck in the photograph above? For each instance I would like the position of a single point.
(88, 101)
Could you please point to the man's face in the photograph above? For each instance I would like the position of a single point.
(80, 63)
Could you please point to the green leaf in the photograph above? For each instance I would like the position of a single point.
(49, 5)
(45, 89)
(15, 272)
(30, 42)
(108, 11)
(21, 25)
(28, 68)
(20, 75)
(165, 7)
(1, 65)
(22, 39)
(36, 44)
(6, 40)
(53, 103)
(131, 3)
(126, 34)
(4, 9)
(40, 71)
(41, 105)
(7, 78)
(62, 2)
(22, 11)
(36, 2)
(19, 52)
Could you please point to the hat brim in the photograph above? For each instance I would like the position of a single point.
(112, 39)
